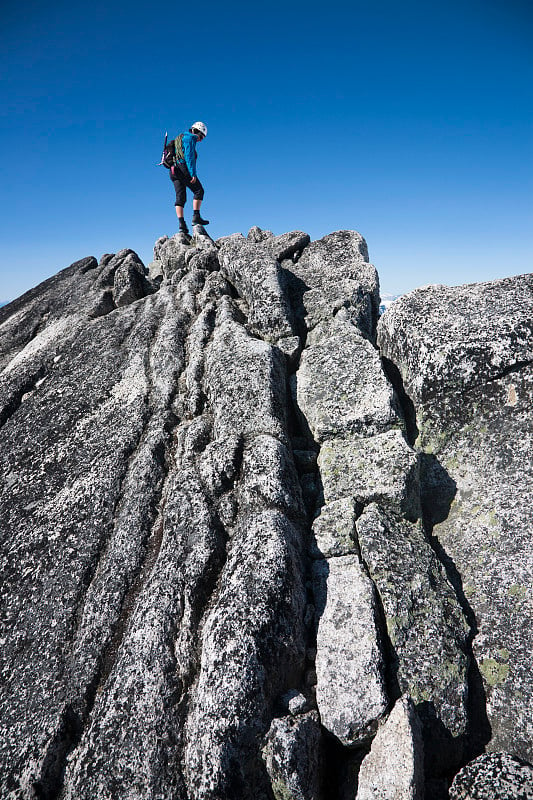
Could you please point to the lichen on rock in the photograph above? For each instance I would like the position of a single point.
(230, 569)
(459, 351)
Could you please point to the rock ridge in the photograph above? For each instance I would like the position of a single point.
(247, 542)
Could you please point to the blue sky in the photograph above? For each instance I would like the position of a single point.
(410, 122)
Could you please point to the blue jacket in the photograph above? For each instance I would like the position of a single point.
(189, 151)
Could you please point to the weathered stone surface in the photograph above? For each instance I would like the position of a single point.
(288, 245)
(244, 372)
(379, 469)
(231, 238)
(268, 476)
(201, 239)
(465, 357)
(206, 258)
(298, 704)
(295, 702)
(290, 345)
(188, 551)
(130, 283)
(493, 776)
(334, 273)
(252, 638)
(425, 623)
(334, 530)
(155, 270)
(171, 253)
(341, 386)
(93, 427)
(175, 255)
(293, 757)
(134, 732)
(445, 338)
(251, 646)
(122, 510)
(255, 272)
(393, 770)
(255, 234)
(350, 688)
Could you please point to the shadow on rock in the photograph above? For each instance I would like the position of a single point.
(296, 288)
(438, 491)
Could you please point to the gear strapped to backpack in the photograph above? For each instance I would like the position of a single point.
(172, 152)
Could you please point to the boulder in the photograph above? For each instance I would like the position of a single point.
(334, 273)
(394, 768)
(493, 776)
(350, 688)
(333, 531)
(426, 627)
(293, 757)
(341, 387)
(445, 339)
(378, 469)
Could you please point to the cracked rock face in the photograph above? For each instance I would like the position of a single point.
(393, 770)
(465, 355)
(227, 573)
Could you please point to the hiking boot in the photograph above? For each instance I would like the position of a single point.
(183, 227)
(197, 219)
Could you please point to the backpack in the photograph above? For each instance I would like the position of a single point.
(172, 151)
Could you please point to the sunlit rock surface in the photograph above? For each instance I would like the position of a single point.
(393, 770)
(465, 355)
(240, 554)
(493, 776)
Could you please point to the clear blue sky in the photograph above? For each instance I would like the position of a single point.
(410, 122)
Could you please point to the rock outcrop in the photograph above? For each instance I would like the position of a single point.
(465, 356)
(242, 557)
(393, 770)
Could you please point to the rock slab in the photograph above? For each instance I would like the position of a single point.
(393, 770)
(465, 356)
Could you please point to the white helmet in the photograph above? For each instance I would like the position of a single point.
(200, 127)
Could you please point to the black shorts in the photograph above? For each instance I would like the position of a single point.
(181, 179)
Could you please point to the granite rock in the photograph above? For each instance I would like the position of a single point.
(333, 531)
(378, 469)
(350, 691)
(293, 757)
(465, 357)
(341, 387)
(393, 770)
(334, 273)
(493, 776)
(452, 338)
(426, 626)
(253, 268)
(224, 557)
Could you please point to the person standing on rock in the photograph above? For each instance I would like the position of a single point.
(183, 174)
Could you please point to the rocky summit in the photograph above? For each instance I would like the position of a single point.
(259, 543)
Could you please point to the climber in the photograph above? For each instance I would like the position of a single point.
(183, 174)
